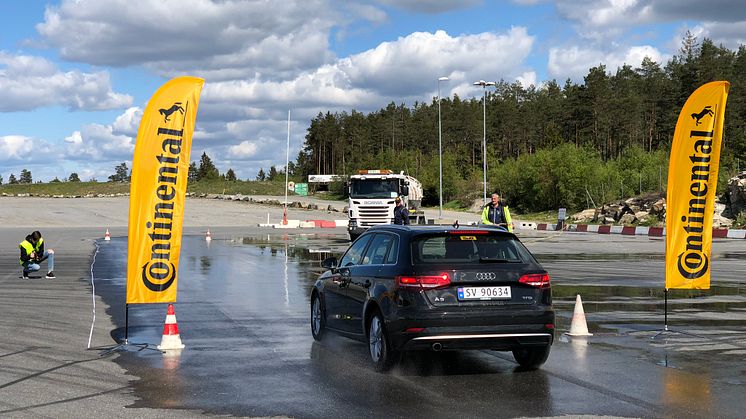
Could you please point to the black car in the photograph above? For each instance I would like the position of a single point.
(406, 288)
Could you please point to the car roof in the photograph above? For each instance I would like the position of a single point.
(413, 230)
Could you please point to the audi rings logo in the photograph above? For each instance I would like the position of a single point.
(485, 276)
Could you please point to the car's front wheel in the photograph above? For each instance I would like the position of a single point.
(531, 358)
(378, 342)
(317, 318)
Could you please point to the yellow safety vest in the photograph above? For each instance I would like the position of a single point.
(28, 247)
(38, 244)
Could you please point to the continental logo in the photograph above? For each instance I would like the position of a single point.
(692, 263)
(159, 273)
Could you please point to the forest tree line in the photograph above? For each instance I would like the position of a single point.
(571, 145)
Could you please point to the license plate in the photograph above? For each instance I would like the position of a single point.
(484, 293)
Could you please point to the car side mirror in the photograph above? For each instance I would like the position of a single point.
(405, 190)
(329, 263)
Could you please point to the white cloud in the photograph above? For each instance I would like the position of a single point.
(105, 143)
(16, 147)
(219, 40)
(402, 70)
(75, 138)
(574, 62)
(527, 79)
(30, 82)
(243, 151)
(128, 122)
(731, 35)
(604, 20)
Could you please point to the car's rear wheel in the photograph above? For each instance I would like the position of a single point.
(381, 354)
(531, 358)
(317, 318)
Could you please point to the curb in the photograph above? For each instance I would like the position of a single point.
(717, 233)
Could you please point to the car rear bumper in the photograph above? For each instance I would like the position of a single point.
(504, 331)
(497, 341)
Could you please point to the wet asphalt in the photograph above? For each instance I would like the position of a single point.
(243, 314)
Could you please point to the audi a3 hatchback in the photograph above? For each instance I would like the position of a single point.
(408, 288)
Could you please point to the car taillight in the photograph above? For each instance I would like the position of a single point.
(424, 281)
(535, 280)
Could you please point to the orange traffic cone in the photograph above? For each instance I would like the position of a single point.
(208, 236)
(107, 236)
(579, 327)
(171, 339)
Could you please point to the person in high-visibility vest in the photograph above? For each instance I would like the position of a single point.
(495, 214)
(33, 253)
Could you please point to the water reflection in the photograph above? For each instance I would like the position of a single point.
(448, 379)
(687, 392)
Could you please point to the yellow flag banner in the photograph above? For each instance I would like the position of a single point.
(159, 179)
(692, 182)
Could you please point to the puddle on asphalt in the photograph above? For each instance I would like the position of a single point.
(605, 301)
(277, 272)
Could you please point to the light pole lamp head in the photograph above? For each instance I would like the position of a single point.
(444, 78)
(484, 83)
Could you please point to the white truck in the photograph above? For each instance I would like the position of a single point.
(371, 199)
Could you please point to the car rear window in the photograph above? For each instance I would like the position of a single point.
(467, 248)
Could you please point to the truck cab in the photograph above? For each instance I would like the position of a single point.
(371, 199)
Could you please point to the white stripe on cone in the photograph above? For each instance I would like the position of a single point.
(107, 236)
(579, 327)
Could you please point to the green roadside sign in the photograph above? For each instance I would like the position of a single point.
(301, 189)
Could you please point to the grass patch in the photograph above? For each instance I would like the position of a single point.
(543, 216)
(66, 188)
(108, 188)
(250, 187)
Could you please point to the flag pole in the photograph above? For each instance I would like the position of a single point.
(287, 162)
(665, 310)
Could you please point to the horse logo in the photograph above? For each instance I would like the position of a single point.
(167, 112)
(706, 111)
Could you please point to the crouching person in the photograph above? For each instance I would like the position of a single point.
(33, 253)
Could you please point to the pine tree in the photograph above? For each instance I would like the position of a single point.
(12, 179)
(1, 179)
(192, 175)
(73, 177)
(261, 176)
(25, 177)
(273, 174)
(207, 169)
(121, 173)
(230, 175)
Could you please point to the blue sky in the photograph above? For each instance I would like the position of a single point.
(76, 74)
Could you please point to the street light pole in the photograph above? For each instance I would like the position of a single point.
(440, 149)
(484, 85)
